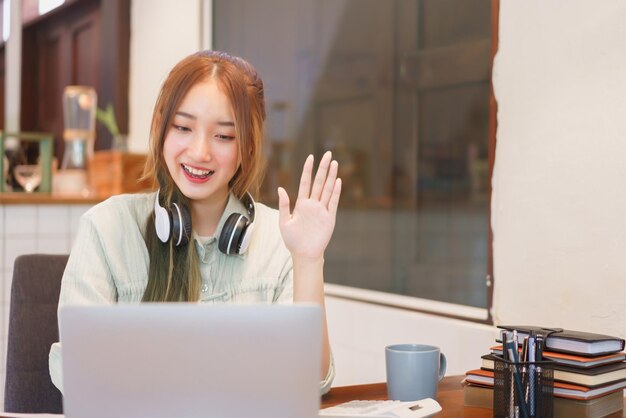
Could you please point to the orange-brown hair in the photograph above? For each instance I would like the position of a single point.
(173, 272)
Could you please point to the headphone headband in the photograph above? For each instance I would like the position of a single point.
(248, 203)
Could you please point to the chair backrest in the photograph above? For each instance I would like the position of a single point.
(33, 328)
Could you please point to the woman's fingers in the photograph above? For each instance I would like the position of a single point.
(283, 206)
(325, 185)
(334, 198)
(320, 176)
(305, 179)
(330, 183)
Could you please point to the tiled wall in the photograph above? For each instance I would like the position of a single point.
(28, 229)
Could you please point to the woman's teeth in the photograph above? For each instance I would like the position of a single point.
(197, 173)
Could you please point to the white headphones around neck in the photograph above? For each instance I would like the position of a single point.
(174, 223)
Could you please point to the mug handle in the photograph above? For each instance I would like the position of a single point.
(442, 365)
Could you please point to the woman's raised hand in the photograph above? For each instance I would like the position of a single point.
(308, 229)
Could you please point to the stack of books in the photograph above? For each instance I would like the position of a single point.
(589, 373)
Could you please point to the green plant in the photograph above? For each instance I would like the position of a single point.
(107, 118)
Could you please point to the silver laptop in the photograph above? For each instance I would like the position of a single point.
(188, 360)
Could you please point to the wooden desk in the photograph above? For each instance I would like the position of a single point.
(449, 396)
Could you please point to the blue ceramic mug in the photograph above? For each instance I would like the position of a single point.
(413, 371)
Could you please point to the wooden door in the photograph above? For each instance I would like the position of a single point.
(83, 42)
(67, 53)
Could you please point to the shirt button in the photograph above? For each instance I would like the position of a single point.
(205, 288)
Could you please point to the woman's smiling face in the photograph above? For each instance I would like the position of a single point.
(201, 148)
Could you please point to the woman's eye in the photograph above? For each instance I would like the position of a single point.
(181, 128)
(225, 137)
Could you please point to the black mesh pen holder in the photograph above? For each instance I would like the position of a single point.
(523, 389)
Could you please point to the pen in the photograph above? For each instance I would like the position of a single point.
(531, 374)
(503, 334)
(524, 360)
(518, 383)
(506, 337)
(516, 348)
(539, 347)
(539, 357)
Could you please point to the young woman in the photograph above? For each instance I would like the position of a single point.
(201, 237)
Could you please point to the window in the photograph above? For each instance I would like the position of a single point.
(400, 92)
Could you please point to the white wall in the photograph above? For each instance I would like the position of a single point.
(359, 333)
(559, 204)
(559, 200)
(162, 33)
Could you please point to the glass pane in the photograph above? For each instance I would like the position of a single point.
(399, 91)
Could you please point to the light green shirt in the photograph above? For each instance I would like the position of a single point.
(109, 263)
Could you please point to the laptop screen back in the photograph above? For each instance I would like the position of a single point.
(189, 360)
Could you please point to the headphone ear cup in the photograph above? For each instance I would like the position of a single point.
(162, 221)
(181, 225)
(230, 237)
(245, 237)
(186, 223)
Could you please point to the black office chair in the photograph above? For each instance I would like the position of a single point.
(32, 330)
